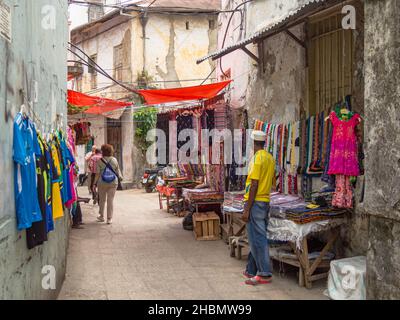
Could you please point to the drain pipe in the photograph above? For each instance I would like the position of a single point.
(143, 21)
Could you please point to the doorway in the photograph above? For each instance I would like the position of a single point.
(114, 138)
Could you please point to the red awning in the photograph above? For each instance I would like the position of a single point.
(183, 94)
(97, 105)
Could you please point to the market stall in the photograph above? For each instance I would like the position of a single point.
(317, 163)
(207, 111)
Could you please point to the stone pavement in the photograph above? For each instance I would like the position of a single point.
(146, 254)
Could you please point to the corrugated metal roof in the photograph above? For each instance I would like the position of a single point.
(308, 8)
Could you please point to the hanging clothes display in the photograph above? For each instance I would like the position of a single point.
(39, 179)
(344, 149)
(82, 132)
(37, 234)
(314, 147)
(25, 151)
(343, 196)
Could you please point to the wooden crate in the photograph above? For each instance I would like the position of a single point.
(206, 226)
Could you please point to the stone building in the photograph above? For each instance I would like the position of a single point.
(33, 48)
(291, 59)
(143, 47)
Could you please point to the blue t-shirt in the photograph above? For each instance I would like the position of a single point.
(25, 149)
(68, 160)
(49, 209)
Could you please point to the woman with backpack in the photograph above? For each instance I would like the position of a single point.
(107, 176)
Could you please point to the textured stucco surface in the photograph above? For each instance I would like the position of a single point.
(35, 54)
(382, 112)
(278, 94)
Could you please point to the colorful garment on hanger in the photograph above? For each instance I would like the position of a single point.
(49, 188)
(343, 196)
(25, 151)
(344, 149)
(37, 233)
(57, 205)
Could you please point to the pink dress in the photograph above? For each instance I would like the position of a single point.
(344, 151)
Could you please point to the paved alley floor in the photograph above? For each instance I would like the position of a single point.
(146, 254)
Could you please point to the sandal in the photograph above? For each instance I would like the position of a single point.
(247, 275)
(258, 280)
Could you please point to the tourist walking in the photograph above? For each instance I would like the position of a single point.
(92, 164)
(88, 173)
(107, 176)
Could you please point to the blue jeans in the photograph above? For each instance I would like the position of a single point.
(258, 261)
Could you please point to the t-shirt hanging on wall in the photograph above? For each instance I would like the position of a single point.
(25, 149)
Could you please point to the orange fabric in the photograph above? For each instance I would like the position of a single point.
(183, 94)
(97, 105)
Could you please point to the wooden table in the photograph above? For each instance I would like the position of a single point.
(173, 191)
(307, 267)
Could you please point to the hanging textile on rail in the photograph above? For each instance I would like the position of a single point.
(82, 132)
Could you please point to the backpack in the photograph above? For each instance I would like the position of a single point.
(108, 174)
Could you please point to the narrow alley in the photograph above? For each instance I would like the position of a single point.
(146, 254)
(222, 150)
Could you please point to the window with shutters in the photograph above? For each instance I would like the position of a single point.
(330, 59)
(118, 62)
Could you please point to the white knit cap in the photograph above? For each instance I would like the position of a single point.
(258, 135)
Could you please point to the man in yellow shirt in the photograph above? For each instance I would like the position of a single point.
(261, 174)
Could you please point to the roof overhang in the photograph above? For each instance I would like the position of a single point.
(310, 8)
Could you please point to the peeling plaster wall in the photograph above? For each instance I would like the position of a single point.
(171, 50)
(35, 54)
(279, 94)
(382, 112)
(103, 45)
(237, 63)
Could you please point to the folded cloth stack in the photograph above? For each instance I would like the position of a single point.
(304, 215)
(208, 196)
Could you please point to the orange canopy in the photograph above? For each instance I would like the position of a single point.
(183, 94)
(97, 105)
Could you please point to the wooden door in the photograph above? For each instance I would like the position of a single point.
(114, 137)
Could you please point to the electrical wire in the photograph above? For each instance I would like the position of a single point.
(99, 69)
(226, 32)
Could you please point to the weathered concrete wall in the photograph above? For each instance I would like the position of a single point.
(34, 54)
(236, 64)
(382, 123)
(171, 49)
(101, 41)
(279, 93)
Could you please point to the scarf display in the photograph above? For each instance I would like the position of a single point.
(304, 148)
